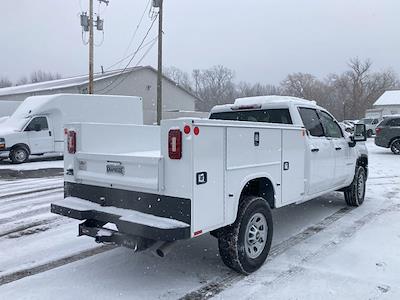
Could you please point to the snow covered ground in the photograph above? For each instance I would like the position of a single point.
(321, 249)
(35, 163)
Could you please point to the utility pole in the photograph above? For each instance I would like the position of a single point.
(91, 47)
(159, 4)
(87, 23)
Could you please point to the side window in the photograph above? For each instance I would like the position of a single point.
(281, 116)
(38, 124)
(332, 129)
(375, 121)
(311, 121)
(394, 123)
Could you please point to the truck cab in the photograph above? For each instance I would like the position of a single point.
(330, 155)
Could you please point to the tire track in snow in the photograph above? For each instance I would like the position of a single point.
(215, 287)
(12, 183)
(346, 234)
(30, 212)
(31, 191)
(21, 187)
(27, 225)
(53, 264)
(14, 202)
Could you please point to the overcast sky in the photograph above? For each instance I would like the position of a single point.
(262, 40)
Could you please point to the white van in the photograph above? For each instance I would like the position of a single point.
(37, 126)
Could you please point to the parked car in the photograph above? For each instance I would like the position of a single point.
(221, 175)
(388, 134)
(370, 125)
(37, 126)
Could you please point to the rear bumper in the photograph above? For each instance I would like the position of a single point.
(149, 216)
(381, 142)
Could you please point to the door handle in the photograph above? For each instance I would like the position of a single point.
(315, 150)
(338, 148)
(49, 133)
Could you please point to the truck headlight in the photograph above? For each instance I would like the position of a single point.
(2, 143)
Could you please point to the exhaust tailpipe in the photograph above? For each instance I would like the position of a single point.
(164, 249)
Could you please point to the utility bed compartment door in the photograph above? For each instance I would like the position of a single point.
(208, 181)
(253, 148)
(129, 170)
(293, 157)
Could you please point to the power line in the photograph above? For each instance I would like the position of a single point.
(137, 28)
(133, 53)
(133, 56)
(139, 61)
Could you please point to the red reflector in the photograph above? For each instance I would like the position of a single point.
(196, 131)
(186, 129)
(378, 130)
(71, 142)
(198, 232)
(175, 144)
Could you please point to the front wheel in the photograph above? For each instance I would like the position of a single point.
(369, 133)
(395, 146)
(244, 245)
(19, 155)
(354, 194)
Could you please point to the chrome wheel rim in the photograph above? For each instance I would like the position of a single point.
(256, 235)
(396, 147)
(360, 186)
(20, 155)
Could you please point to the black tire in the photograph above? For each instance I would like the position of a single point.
(395, 146)
(234, 238)
(19, 155)
(355, 193)
(370, 133)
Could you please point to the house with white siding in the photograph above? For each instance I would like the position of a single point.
(387, 104)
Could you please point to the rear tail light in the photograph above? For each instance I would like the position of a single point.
(71, 142)
(175, 144)
(378, 130)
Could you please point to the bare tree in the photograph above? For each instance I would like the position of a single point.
(359, 87)
(180, 77)
(5, 82)
(245, 89)
(214, 85)
(23, 80)
(40, 76)
(303, 85)
(346, 95)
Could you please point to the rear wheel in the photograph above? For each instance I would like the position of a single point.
(395, 146)
(355, 193)
(244, 245)
(19, 155)
(369, 133)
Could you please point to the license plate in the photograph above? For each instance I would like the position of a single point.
(116, 168)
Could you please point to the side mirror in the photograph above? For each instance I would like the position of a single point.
(360, 134)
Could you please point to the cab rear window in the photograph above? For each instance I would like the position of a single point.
(280, 116)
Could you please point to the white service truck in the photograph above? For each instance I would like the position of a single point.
(37, 126)
(149, 186)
